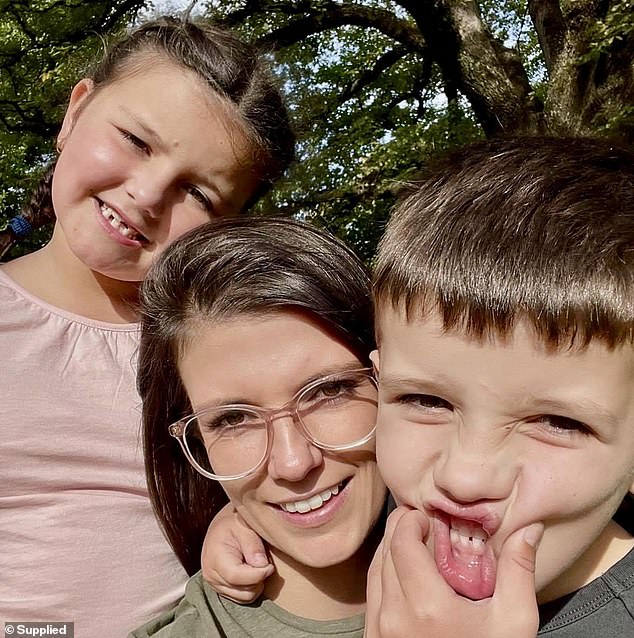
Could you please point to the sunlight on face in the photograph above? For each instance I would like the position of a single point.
(490, 436)
(264, 363)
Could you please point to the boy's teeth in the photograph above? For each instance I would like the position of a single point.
(114, 219)
(468, 535)
(313, 503)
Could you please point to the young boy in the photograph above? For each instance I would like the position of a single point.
(504, 294)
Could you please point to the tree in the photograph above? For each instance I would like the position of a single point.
(377, 85)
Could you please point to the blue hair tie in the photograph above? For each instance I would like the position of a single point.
(20, 226)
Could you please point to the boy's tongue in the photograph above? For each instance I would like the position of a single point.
(463, 557)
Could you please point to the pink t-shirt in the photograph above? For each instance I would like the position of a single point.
(78, 539)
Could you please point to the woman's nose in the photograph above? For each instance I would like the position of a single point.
(292, 456)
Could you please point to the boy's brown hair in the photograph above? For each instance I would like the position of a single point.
(534, 228)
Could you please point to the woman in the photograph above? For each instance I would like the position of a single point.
(253, 361)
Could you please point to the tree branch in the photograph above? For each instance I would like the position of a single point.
(315, 18)
(386, 61)
(490, 75)
(550, 26)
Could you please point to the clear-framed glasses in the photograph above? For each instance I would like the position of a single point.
(228, 442)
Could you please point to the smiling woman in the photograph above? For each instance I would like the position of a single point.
(255, 341)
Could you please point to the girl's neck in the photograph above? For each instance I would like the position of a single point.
(73, 287)
(328, 593)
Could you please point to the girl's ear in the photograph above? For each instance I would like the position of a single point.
(78, 97)
(374, 357)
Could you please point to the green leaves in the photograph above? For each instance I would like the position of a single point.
(375, 86)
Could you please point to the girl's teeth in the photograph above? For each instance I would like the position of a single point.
(117, 223)
(313, 503)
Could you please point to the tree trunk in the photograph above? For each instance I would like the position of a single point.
(490, 75)
(591, 96)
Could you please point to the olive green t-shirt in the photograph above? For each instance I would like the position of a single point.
(204, 614)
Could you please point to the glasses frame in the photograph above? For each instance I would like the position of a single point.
(178, 428)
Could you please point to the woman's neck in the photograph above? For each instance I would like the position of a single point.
(327, 593)
(71, 287)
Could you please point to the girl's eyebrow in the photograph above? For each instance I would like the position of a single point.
(147, 129)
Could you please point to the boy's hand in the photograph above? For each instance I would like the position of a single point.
(408, 597)
(234, 559)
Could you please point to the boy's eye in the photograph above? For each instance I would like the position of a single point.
(425, 401)
(201, 198)
(561, 425)
(135, 141)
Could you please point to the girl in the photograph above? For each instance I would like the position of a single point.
(235, 326)
(178, 124)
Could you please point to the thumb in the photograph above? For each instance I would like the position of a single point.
(516, 565)
(515, 586)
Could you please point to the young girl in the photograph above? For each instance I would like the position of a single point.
(179, 123)
(253, 358)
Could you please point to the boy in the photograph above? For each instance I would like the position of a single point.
(504, 293)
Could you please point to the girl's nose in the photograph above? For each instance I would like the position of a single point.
(292, 456)
(149, 188)
(469, 471)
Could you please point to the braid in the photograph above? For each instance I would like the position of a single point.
(37, 212)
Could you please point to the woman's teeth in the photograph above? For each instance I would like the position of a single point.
(117, 223)
(313, 503)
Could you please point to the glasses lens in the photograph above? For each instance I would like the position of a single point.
(339, 410)
(226, 441)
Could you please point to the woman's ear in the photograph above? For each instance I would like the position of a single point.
(374, 357)
(78, 97)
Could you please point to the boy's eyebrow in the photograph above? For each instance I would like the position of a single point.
(394, 382)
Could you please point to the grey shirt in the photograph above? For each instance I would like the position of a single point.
(602, 609)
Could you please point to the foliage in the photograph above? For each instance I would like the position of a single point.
(375, 86)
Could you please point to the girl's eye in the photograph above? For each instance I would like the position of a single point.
(425, 401)
(135, 141)
(201, 198)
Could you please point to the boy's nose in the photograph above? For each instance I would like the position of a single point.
(469, 471)
(292, 456)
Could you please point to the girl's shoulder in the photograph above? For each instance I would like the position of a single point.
(21, 307)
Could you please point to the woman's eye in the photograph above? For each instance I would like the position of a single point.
(332, 389)
(426, 401)
(322, 392)
(201, 198)
(135, 141)
(224, 420)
